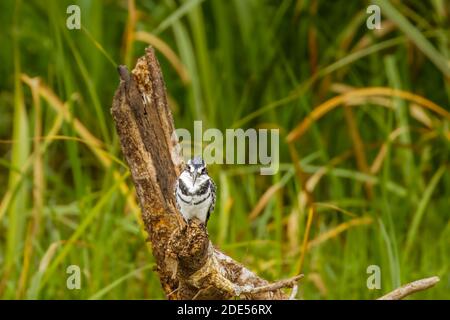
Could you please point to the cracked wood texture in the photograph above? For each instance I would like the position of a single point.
(188, 265)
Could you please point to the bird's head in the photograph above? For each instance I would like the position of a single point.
(196, 168)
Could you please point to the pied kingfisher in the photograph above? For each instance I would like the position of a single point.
(195, 191)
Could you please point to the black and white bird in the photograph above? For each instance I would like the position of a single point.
(195, 191)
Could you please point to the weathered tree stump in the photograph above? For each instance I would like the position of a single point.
(188, 265)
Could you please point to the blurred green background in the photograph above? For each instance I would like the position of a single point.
(371, 175)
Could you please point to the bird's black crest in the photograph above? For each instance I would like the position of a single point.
(197, 162)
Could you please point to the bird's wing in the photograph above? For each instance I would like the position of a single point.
(213, 199)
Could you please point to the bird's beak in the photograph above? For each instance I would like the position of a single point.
(194, 177)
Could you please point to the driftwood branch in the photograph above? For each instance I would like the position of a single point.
(410, 288)
(188, 265)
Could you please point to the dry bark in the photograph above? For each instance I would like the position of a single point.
(188, 265)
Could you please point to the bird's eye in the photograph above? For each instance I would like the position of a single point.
(203, 171)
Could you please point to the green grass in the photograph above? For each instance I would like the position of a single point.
(251, 63)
